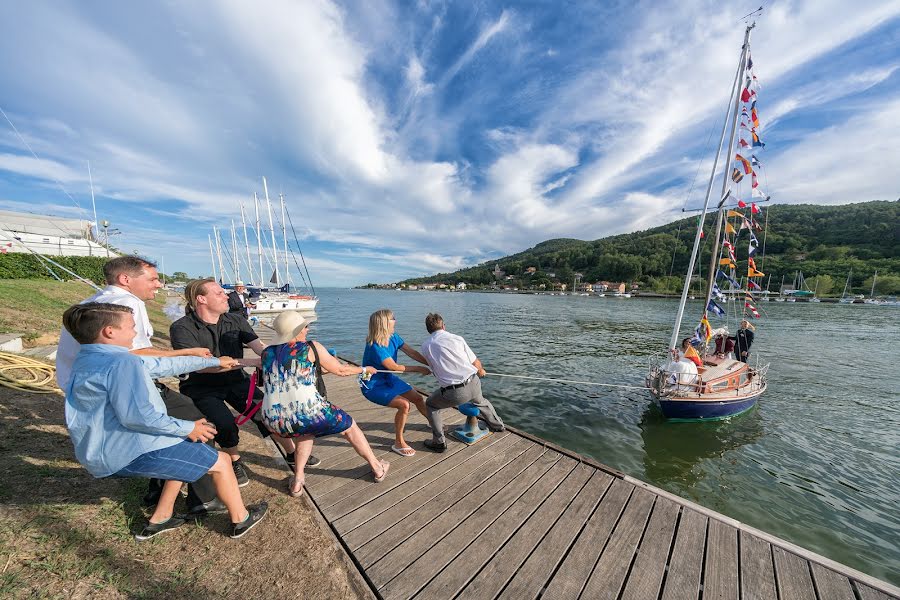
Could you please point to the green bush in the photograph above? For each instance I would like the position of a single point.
(27, 266)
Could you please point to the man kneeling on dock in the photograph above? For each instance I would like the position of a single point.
(457, 370)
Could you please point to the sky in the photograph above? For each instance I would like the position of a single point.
(410, 138)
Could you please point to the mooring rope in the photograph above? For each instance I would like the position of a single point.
(551, 379)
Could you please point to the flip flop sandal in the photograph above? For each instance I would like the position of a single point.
(385, 466)
(404, 451)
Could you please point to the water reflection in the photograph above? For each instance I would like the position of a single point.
(675, 453)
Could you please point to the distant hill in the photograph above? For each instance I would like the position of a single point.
(822, 241)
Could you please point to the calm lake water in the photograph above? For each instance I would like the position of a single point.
(817, 462)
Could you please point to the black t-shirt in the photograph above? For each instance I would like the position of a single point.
(225, 338)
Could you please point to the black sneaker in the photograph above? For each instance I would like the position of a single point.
(154, 529)
(255, 514)
(434, 446)
(312, 461)
(213, 507)
(240, 472)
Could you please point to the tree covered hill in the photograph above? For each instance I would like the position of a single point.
(823, 242)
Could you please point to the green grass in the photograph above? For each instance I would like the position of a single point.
(34, 308)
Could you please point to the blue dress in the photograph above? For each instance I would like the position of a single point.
(383, 387)
(292, 407)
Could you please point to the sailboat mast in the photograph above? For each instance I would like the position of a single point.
(725, 175)
(212, 258)
(219, 255)
(234, 253)
(262, 281)
(272, 231)
(246, 245)
(287, 266)
(673, 343)
(874, 278)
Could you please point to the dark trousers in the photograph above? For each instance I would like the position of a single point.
(214, 403)
(181, 407)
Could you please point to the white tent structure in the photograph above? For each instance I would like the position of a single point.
(50, 236)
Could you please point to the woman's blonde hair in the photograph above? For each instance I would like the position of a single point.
(192, 290)
(379, 327)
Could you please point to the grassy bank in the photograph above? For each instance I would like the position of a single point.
(34, 308)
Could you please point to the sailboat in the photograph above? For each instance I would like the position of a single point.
(266, 300)
(722, 387)
(845, 299)
(871, 299)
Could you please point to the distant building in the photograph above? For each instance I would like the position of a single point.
(551, 275)
(497, 272)
(531, 270)
(51, 236)
(461, 285)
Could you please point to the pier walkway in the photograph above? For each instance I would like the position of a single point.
(513, 516)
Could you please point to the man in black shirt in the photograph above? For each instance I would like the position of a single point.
(208, 324)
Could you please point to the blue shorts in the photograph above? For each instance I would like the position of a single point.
(185, 461)
(383, 391)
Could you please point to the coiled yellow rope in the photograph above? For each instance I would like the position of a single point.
(27, 374)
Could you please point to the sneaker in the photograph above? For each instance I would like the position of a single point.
(435, 446)
(154, 529)
(312, 461)
(240, 472)
(255, 514)
(213, 507)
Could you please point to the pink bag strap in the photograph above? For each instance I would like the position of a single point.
(251, 408)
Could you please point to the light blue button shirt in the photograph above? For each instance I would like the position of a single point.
(114, 411)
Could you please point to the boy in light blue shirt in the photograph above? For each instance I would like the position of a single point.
(118, 422)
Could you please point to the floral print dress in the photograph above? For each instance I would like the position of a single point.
(292, 406)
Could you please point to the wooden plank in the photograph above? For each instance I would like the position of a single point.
(609, 575)
(720, 575)
(831, 585)
(792, 575)
(381, 569)
(415, 515)
(564, 512)
(527, 508)
(868, 593)
(580, 561)
(460, 464)
(396, 524)
(410, 475)
(501, 514)
(650, 565)
(757, 569)
(683, 578)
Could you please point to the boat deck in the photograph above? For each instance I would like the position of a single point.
(513, 516)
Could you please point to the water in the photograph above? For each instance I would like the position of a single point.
(816, 463)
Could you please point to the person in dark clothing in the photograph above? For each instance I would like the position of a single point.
(208, 324)
(238, 302)
(743, 339)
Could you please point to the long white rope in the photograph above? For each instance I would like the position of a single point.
(551, 379)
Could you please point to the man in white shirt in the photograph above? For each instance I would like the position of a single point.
(457, 370)
(130, 281)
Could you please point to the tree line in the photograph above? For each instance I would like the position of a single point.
(826, 243)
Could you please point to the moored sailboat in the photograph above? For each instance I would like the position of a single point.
(722, 386)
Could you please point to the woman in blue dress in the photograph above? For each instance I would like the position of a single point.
(386, 389)
(292, 405)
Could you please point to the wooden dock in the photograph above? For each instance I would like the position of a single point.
(516, 517)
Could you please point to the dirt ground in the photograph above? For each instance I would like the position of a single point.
(64, 534)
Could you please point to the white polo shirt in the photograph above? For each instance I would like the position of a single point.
(69, 347)
(449, 357)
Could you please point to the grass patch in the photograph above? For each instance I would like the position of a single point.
(34, 308)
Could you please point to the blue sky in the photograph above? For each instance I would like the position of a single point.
(415, 137)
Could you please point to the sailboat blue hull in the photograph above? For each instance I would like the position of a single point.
(704, 410)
